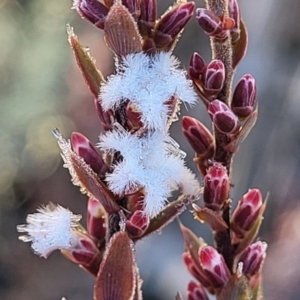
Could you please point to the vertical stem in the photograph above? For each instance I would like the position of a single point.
(221, 49)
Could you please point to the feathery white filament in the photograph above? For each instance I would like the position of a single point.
(49, 229)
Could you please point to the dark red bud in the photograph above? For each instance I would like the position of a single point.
(195, 291)
(106, 117)
(244, 96)
(137, 224)
(216, 186)
(197, 67)
(96, 219)
(214, 76)
(210, 23)
(133, 117)
(253, 258)
(214, 266)
(133, 6)
(246, 212)
(199, 137)
(223, 118)
(85, 149)
(147, 18)
(93, 11)
(170, 25)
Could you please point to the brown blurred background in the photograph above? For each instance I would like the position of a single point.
(41, 88)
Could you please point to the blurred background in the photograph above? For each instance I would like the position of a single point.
(42, 88)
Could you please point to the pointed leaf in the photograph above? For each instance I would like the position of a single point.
(120, 32)
(168, 214)
(240, 47)
(192, 244)
(178, 297)
(116, 277)
(210, 217)
(86, 63)
(84, 177)
(243, 133)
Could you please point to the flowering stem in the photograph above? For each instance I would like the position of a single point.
(222, 50)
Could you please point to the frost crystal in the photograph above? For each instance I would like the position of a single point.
(153, 162)
(49, 229)
(148, 82)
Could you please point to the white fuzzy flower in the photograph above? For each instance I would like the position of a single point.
(49, 229)
(148, 82)
(153, 162)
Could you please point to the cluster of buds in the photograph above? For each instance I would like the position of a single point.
(129, 175)
(234, 267)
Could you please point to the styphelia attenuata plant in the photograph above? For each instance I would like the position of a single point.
(133, 170)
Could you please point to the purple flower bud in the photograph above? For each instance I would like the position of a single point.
(84, 253)
(199, 137)
(246, 212)
(197, 67)
(214, 266)
(216, 186)
(93, 11)
(137, 223)
(106, 117)
(96, 219)
(234, 13)
(223, 118)
(133, 6)
(147, 18)
(244, 96)
(210, 23)
(170, 25)
(195, 291)
(214, 77)
(85, 149)
(253, 258)
(195, 270)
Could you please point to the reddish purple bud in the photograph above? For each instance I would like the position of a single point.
(210, 23)
(133, 6)
(195, 291)
(84, 252)
(253, 258)
(216, 187)
(196, 271)
(171, 23)
(214, 266)
(197, 67)
(93, 11)
(85, 149)
(106, 117)
(199, 137)
(137, 223)
(147, 17)
(246, 212)
(96, 219)
(235, 14)
(214, 77)
(223, 118)
(244, 96)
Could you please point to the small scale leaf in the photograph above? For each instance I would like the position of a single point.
(192, 244)
(240, 47)
(116, 278)
(178, 297)
(86, 63)
(210, 217)
(168, 214)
